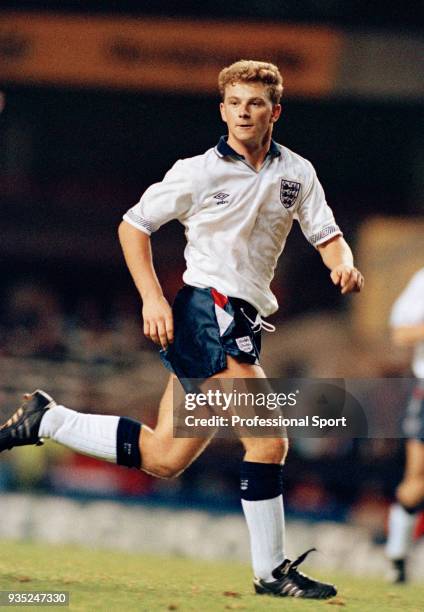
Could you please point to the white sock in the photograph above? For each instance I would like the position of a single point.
(265, 520)
(89, 434)
(401, 525)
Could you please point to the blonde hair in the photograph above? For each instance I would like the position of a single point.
(251, 71)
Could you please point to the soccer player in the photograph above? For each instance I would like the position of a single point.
(237, 203)
(407, 322)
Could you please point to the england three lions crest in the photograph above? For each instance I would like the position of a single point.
(289, 190)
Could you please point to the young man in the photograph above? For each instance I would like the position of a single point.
(407, 321)
(237, 203)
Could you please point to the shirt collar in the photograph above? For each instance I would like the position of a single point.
(223, 149)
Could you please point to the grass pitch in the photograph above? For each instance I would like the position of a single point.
(109, 581)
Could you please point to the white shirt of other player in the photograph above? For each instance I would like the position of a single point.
(409, 310)
(237, 219)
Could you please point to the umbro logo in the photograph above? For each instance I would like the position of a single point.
(221, 197)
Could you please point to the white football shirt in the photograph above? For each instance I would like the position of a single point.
(236, 218)
(409, 310)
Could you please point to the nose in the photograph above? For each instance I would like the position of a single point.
(243, 110)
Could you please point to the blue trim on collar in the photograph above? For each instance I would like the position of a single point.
(274, 149)
(224, 149)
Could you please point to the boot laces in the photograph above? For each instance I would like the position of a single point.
(289, 569)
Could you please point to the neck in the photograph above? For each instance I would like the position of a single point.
(253, 152)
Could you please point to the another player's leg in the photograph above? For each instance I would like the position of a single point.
(403, 513)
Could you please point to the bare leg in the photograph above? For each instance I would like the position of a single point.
(403, 513)
(161, 454)
(165, 456)
(410, 492)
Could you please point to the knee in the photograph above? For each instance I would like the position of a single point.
(278, 450)
(267, 450)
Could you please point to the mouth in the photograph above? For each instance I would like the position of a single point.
(246, 126)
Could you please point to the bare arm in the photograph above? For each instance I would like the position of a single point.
(337, 256)
(408, 335)
(157, 314)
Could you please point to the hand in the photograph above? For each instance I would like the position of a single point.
(158, 321)
(348, 277)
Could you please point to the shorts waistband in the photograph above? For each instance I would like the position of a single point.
(220, 299)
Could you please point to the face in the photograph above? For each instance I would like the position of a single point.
(249, 113)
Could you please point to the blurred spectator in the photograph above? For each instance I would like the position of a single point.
(33, 322)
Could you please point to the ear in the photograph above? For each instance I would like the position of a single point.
(223, 113)
(276, 112)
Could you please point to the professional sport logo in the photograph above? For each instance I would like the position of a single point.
(289, 190)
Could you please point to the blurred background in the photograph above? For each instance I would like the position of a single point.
(97, 104)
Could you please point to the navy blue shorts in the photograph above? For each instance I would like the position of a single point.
(413, 421)
(208, 326)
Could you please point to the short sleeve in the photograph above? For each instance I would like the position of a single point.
(314, 215)
(409, 307)
(172, 198)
